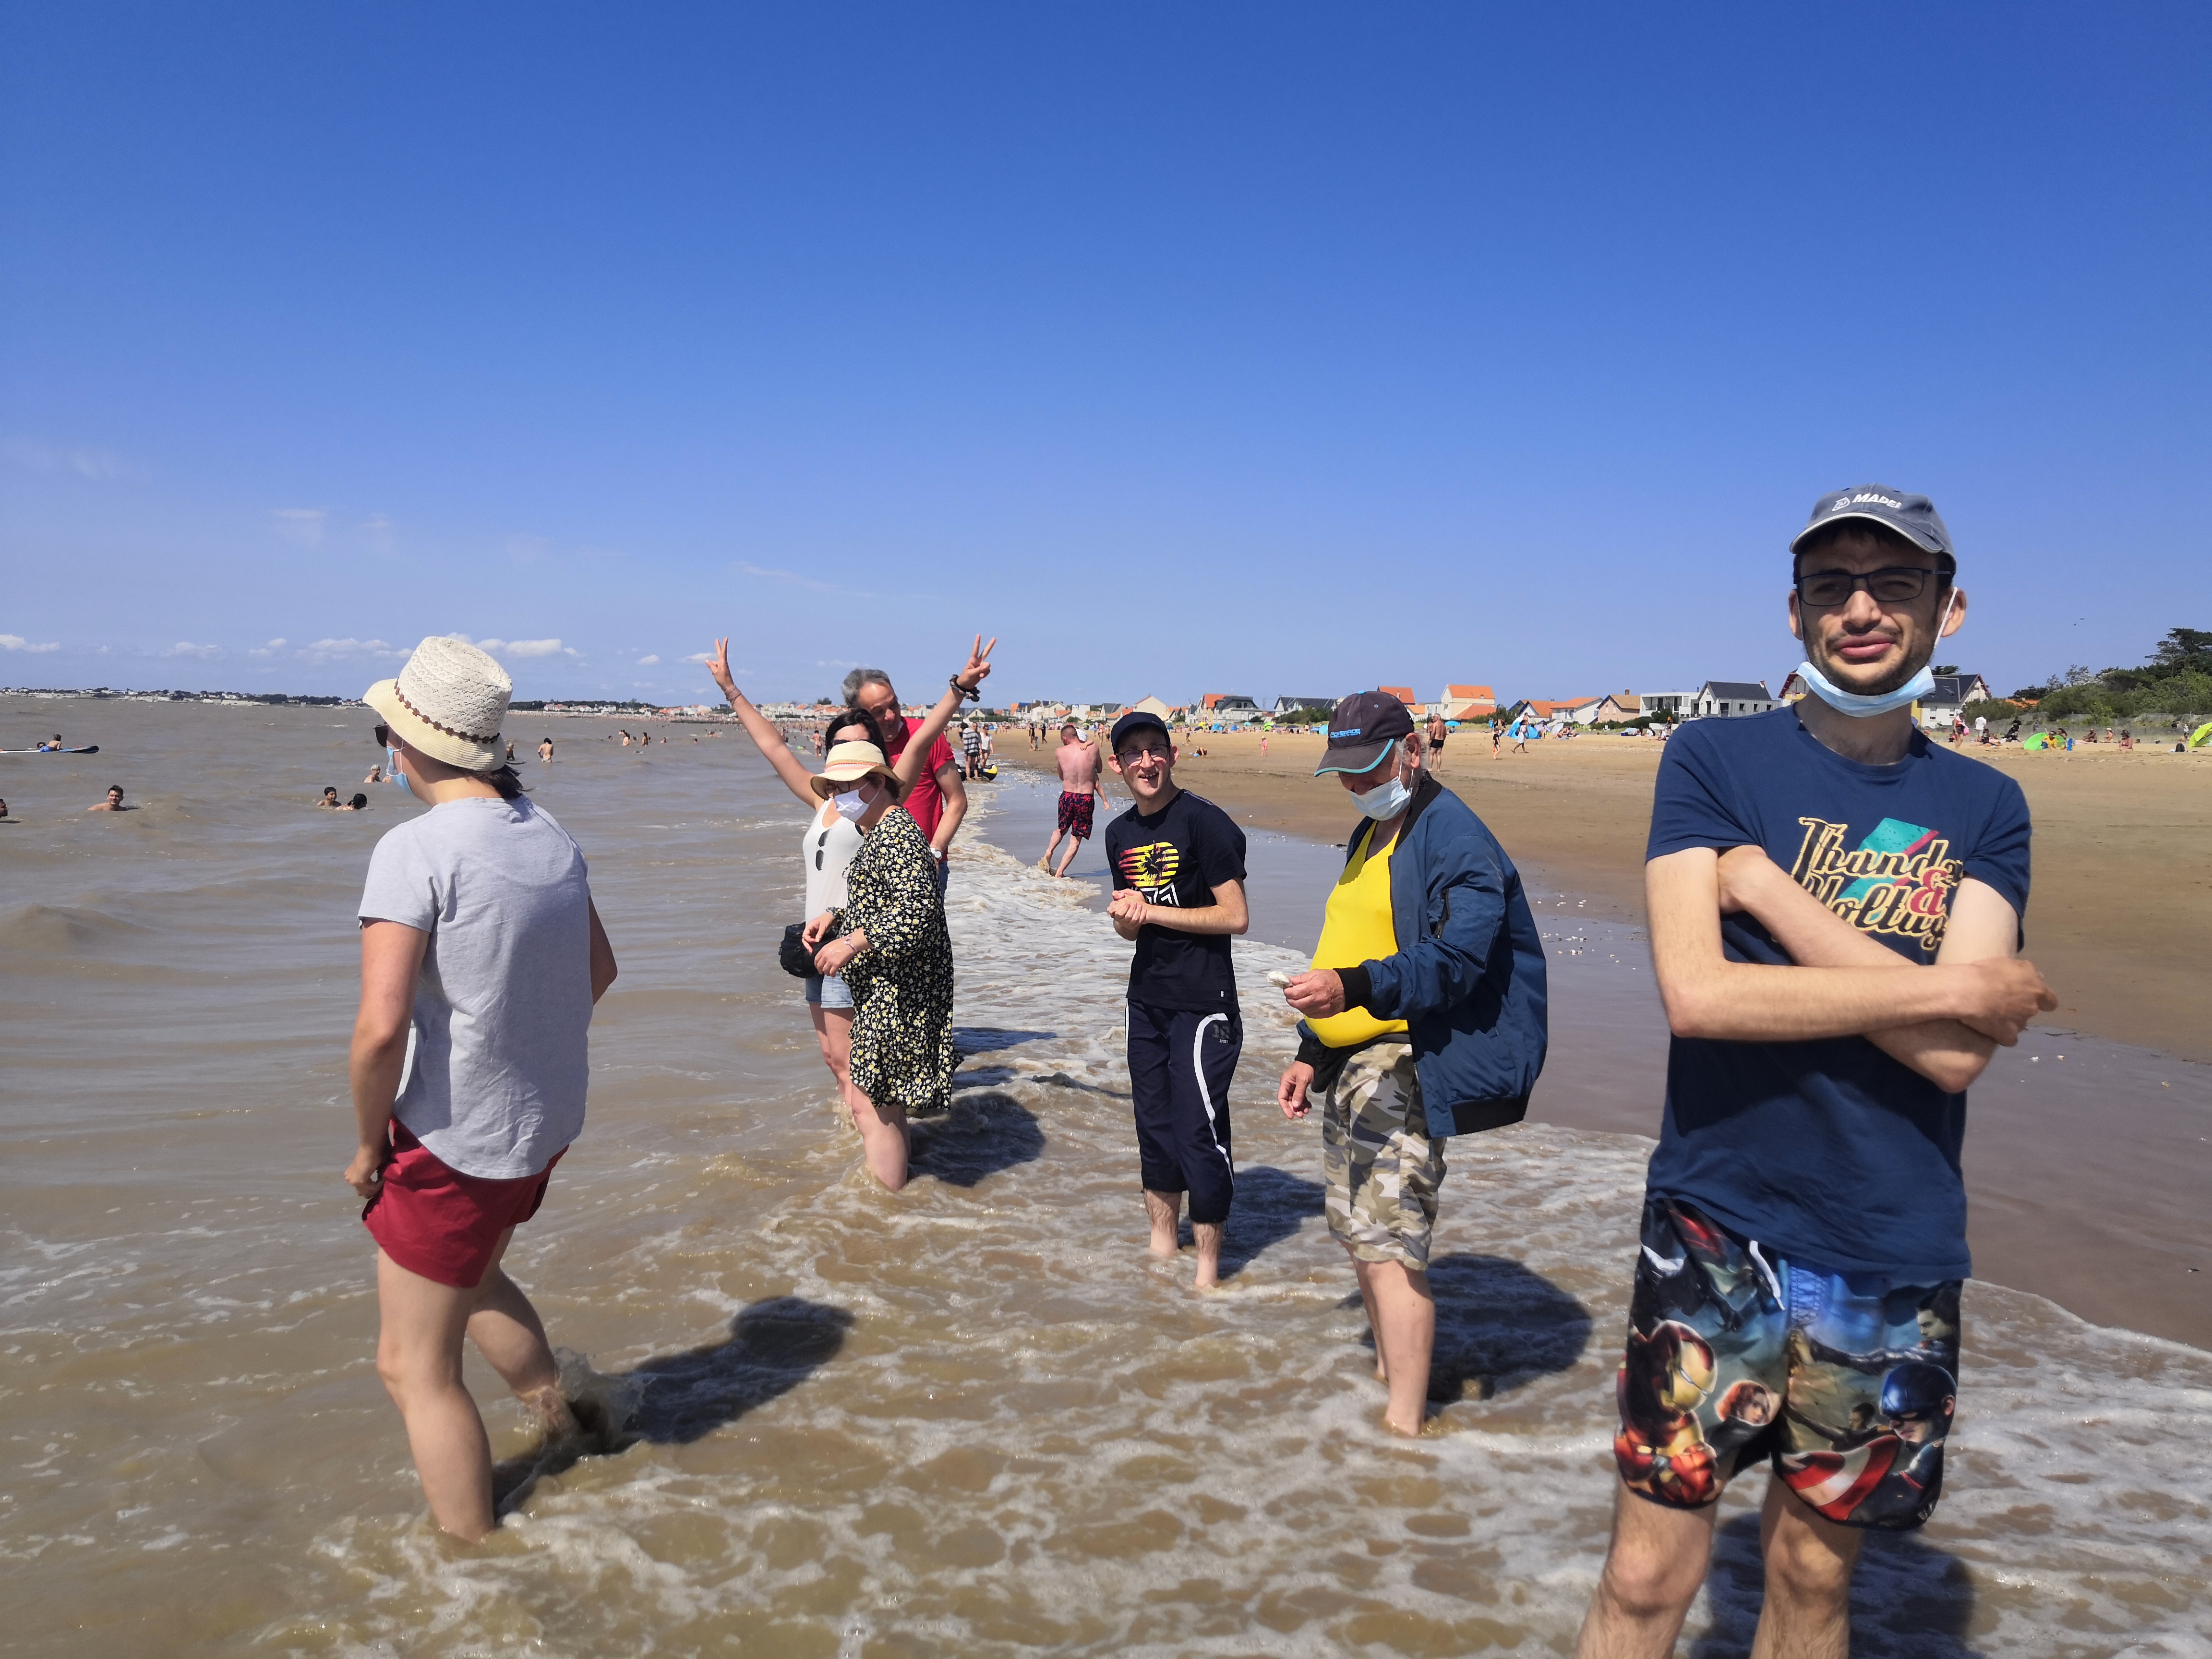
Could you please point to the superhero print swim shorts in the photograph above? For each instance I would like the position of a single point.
(1843, 1383)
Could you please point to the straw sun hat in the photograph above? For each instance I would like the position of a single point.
(849, 762)
(448, 702)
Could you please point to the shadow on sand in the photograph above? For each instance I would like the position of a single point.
(1909, 1599)
(674, 1399)
(1498, 1326)
(982, 1134)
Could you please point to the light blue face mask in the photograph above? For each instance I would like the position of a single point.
(1385, 800)
(391, 770)
(1852, 703)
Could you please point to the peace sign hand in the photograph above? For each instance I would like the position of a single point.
(719, 666)
(979, 663)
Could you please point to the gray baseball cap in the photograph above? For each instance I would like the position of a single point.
(1913, 516)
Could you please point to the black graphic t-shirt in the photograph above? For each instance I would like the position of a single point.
(1178, 857)
(1831, 1151)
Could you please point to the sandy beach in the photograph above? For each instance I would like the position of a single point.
(2122, 898)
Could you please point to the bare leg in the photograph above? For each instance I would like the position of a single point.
(1045, 863)
(1163, 1209)
(833, 1031)
(1207, 1235)
(418, 1355)
(1652, 1570)
(1807, 1613)
(1405, 1322)
(1074, 845)
(886, 1137)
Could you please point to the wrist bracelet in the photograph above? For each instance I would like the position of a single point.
(972, 693)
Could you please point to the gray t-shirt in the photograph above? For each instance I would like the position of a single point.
(498, 1056)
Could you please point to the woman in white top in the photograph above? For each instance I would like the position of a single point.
(829, 843)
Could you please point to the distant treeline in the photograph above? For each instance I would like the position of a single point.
(2175, 683)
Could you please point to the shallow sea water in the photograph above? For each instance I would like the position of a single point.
(975, 1418)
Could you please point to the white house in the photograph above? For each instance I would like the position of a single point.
(1731, 699)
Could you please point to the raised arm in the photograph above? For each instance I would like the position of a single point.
(1983, 926)
(762, 730)
(916, 754)
(1706, 995)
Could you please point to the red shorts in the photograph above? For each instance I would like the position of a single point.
(435, 1221)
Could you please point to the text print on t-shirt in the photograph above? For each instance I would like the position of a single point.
(1899, 880)
(1151, 870)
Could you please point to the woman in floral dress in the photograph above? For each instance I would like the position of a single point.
(890, 944)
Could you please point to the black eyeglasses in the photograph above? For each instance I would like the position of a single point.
(1895, 585)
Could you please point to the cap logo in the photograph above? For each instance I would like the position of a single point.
(1345, 731)
(1867, 496)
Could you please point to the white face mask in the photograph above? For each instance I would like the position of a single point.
(1862, 707)
(850, 805)
(1385, 800)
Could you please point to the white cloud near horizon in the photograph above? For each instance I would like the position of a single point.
(17, 643)
(302, 526)
(268, 650)
(331, 650)
(520, 647)
(648, 662)
(33, 457)
(187, 648)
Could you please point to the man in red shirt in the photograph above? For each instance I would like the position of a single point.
(937, 800)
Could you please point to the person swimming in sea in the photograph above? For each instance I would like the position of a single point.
(329, 799)
(113, 803)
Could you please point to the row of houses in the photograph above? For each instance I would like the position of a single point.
(1712, 699)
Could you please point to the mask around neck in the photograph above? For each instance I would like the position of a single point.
(1862, 707)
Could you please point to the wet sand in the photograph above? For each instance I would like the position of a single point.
(973, 1419)
(2086, 1160)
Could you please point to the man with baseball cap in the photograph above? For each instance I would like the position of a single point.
(1424, 1018)
(1178, 864)
(1835, 908)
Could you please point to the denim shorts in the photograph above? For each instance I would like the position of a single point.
(828, 990)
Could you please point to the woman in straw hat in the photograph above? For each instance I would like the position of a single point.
(832, 838)
(458, 1139)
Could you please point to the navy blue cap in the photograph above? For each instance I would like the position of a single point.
(1137, 720)
(1913, 516)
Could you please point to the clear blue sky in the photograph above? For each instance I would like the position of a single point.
(1258, 347)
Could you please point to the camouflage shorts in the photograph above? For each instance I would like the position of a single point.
(1382, 1169)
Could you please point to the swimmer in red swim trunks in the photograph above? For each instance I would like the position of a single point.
(1079, 790)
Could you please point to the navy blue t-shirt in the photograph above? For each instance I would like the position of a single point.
(1176, 857)
(1831, 1151)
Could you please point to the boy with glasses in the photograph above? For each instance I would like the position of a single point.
(1178, 864)
(1835, 907)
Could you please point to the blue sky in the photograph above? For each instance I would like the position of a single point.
(1264, 349)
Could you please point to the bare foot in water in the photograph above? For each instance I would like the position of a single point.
(549, 1409)
(1163, 1209)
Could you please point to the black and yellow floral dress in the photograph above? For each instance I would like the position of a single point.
(902, 984)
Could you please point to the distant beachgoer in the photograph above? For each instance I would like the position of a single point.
(3, 812)
(451, 1162)
(1423, 1017)
(1079, 790)
(833, 837)
(2127, 740)
(510, 751)
(330, 796)
(545, 751)
(1178, 868)
(937, 800)
(1981, 728)
(375, 776)
(113, 803)
(1263, 745)
(49, 748)
(1496, 733)
(1520, 736)
(971, 746)
(1434, 761)
(2012, 732)
(358, 804)
(1804, 1217)
(624, 730)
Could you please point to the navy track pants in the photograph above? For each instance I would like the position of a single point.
(1180, 1063)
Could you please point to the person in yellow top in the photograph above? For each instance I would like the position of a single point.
(1423, 1017)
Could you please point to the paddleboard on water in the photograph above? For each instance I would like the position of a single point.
(88, 749)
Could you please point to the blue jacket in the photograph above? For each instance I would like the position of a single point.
(1469, 975)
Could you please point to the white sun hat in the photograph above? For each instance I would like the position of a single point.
(449, 703)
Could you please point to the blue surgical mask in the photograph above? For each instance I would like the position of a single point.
(1385, 800)
(1853, 703)
(391, 770)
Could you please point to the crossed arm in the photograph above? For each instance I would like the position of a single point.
(1943, 1020)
